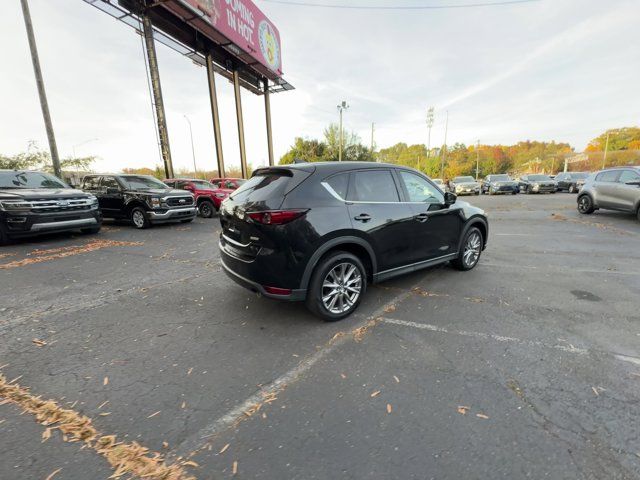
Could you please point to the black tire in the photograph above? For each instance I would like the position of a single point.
(466, 261)
(572, 188)
(206, 209)
(90, 231)
(139, 218)
(323, 269)
(585, 205)
(515, 192)
(188, 220)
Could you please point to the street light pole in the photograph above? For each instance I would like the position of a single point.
(444, 156)
(193, 150)
(342, 107)
(477, 159)
(606, 147)
(44, 105)
(430, 118)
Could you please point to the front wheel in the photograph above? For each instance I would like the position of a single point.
(337, 285)
(139, 218)
(585, 205)
(470, 251)
(572, 189)
(206, 209)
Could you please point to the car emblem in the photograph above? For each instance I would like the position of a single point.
(63, 203)
(182, 200)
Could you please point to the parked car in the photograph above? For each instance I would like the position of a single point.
(322, 232)
(228, 183)
(208, 196)
(33, 203)
(612, 189)
(141, 199)
(536, 183)
(440, 183)
(464, 186)
(493, 184)
(569, 181)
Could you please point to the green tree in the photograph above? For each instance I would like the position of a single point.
(625, 138)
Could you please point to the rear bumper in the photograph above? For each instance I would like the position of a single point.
(295, 296)
(173, 214)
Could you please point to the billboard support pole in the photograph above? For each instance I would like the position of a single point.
(215, 113)
(157, 95)
(243, 153)
(267, 109)
(44, 105)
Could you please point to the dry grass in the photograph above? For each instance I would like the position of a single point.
(130, 459)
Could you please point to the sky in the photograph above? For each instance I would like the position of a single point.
(563, 70)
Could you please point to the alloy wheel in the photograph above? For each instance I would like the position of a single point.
(472, 249)
(205, 210)
(341, 288)
(138, 218)
(584, 204)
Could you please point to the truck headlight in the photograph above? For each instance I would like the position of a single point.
(14, 205)
(155, 202)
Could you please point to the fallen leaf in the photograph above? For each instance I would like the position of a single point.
(390, 308)
(103, 404)
(38, 342)
(343, 375)
(189, 371)
(190, 463)
(234, 469)
(375, 394)
(104, 414)
(482, 415)
(154, 414)
(46, 435)
(165, 445)
(463, 410)
(53, 474)
(184, 404)
(224, 449)
(105, 381)
(595, 390)
(396, 379)
(389, 409)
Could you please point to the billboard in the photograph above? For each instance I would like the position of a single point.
(243, 24)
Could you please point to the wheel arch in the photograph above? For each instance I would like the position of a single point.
(481, 224)
(355, 245)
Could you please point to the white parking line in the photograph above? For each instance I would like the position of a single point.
(487, 336)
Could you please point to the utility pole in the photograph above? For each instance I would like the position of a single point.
(373, 127)
(193, 150)
(152, 59)
(477, 159)
(430, 118)
(44, 105)
(342, 107)
(444, 156)
(606, 147)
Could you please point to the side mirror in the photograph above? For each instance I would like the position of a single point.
(449, 198)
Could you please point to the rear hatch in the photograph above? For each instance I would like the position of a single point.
(243, 237)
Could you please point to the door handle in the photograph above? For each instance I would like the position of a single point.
(363, 217)
(423, 217)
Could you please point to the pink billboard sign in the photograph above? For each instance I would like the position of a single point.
(244, 24)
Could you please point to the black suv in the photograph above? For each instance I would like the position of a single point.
(142, 199)
(321, 232)
(34, 202)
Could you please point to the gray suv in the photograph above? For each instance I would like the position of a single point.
(612, 189)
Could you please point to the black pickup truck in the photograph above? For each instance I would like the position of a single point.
(141, 199)
(33, 203)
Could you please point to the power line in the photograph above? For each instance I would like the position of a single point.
(401, 7)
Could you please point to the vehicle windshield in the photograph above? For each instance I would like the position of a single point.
(539, 178)
(580, 175)
(30, 180)
(500, 178)
(463, 179)
(143, 182)
(203, 184)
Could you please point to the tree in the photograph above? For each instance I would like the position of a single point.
(312, 150)
(36, 158)
(625, 138)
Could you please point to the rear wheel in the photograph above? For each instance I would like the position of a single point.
(572, 189)
(139, 218)
(337, 286)
(470, 251)
(585, 205)
(206, 209)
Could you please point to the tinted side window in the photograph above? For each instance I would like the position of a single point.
(339, 184)
(628, 176)
(90, 183)
(610, 176)
(171, 184)
(373, 186)
(109, 182)
(420, 190)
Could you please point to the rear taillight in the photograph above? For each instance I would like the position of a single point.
(276, 217)
(277, 291)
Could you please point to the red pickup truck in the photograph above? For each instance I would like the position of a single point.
(227, 183)
(208, 196)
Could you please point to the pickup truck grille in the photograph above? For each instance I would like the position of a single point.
(57, 205)
(180, 201)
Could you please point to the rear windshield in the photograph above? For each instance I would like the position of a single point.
(463, 179)
(263, 186)
(29, 180)
(500, 178)
(538, 178)
(579, 175)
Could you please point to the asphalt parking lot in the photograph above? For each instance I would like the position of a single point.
(526, 367)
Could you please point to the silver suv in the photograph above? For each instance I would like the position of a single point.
(612, 189)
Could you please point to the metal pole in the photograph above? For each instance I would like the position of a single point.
(193, 150)
(341, 138)
(444, 156)
(606, 147)
(477, 159)
(44, 105)
(213, 97)
(157, 95)
(243, 153)
(267, 110)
